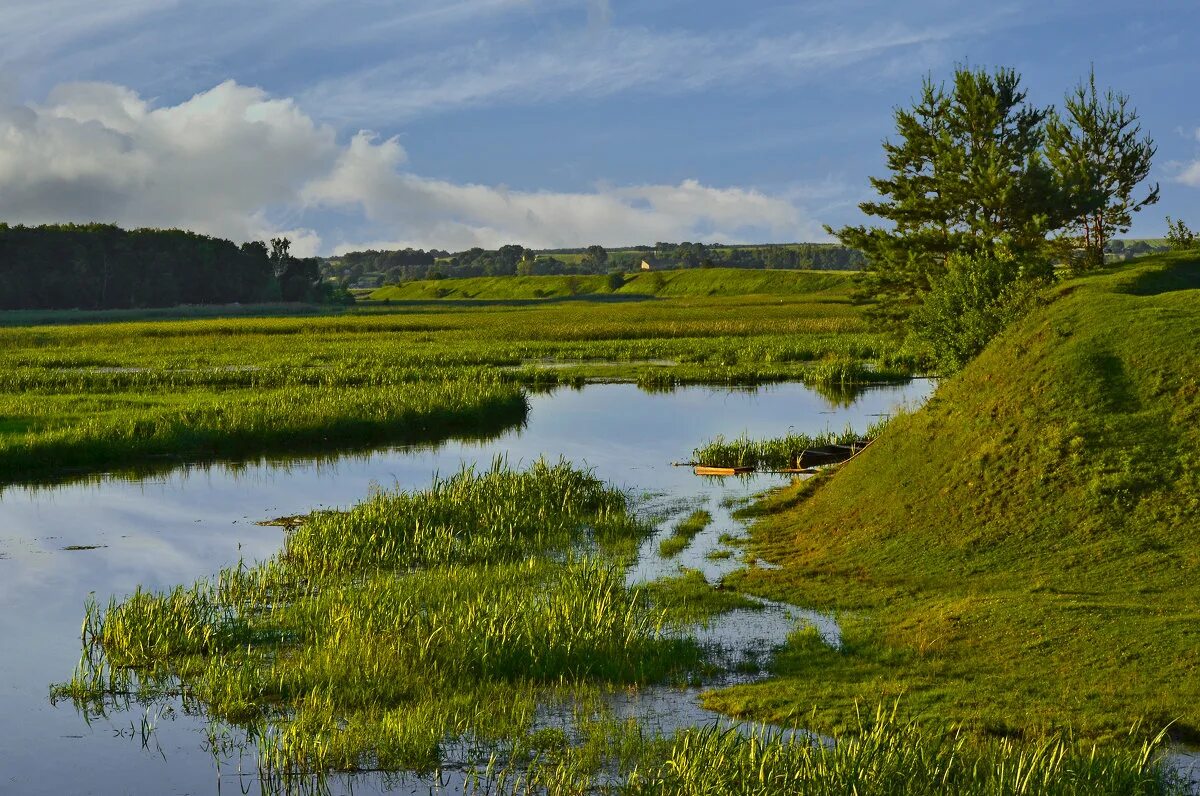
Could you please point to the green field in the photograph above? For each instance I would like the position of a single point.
(79, 393)
(1019, 555)
(692, 283)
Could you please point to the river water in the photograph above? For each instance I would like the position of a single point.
(108, 535)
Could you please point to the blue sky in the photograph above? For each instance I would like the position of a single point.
(545, 122)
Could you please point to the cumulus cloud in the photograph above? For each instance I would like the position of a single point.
(217, 163)
(236, 163)
(369, 175)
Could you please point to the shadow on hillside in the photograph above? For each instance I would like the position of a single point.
(1182, 274)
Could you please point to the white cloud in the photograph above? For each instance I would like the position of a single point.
(449, 215)
(237, 163)
(215, 163)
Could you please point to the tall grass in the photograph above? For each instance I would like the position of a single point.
(242, 423)
(382, 632)
(775, 453)
(887, 756)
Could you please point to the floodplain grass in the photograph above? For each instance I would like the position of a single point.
(886, 755)
(684, 532)
(110, 394)
(777, 453)
(441, 616)
(669, 283)
(689, 599)
(85, 432)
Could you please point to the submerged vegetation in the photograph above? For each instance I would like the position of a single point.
(683, 533)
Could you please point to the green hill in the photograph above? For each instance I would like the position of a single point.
(684, 283)
(1022, 553)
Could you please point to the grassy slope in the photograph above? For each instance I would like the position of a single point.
(1021, 553)
(698, 282)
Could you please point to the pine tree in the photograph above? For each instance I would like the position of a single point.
(967, 178)
(1099, 156)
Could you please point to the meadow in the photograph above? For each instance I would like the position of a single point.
(79, 395)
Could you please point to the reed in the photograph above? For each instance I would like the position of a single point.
(776, 453)
(383, 632)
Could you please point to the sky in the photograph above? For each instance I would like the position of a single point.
(349, 124)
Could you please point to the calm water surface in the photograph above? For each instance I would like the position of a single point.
(186, 524)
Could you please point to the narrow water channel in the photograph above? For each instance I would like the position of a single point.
(59, 544)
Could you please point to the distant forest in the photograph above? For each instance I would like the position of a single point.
(363, 269)
(100, 266)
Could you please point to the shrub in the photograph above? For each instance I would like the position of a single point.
(976, 299)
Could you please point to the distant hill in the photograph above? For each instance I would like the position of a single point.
(371, 269)
(692, 282)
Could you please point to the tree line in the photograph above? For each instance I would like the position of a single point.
(990, 197)
(101, 266)
(374, 268)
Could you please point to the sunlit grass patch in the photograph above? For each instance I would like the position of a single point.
(683, 532)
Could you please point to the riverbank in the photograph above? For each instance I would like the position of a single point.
(1019, 556)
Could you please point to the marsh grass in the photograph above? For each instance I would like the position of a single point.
(776, 453)
(889, 756)
(688, 598)
(683, 532)
(381, 633)
(123, 391)
(232, 424)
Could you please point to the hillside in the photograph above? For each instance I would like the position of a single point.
(694, 282)
(1023, 552)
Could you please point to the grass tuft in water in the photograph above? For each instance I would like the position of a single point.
(683, 533)
(414, 620)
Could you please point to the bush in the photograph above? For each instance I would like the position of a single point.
(616, 280)
(975, 300)
(1179, 236)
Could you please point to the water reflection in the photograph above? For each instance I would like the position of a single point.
(175, 526)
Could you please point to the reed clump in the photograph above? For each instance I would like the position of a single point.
(776, 453)
(383, 632)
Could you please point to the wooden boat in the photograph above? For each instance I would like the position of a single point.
(827, 454)
(703, 470)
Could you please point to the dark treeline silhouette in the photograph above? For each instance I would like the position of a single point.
(101, 266)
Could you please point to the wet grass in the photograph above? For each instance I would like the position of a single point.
(114, 391)
(886, 755)
(683, 532)
(380, 634)
(74, 432)
(688, 598)
(776, 453)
